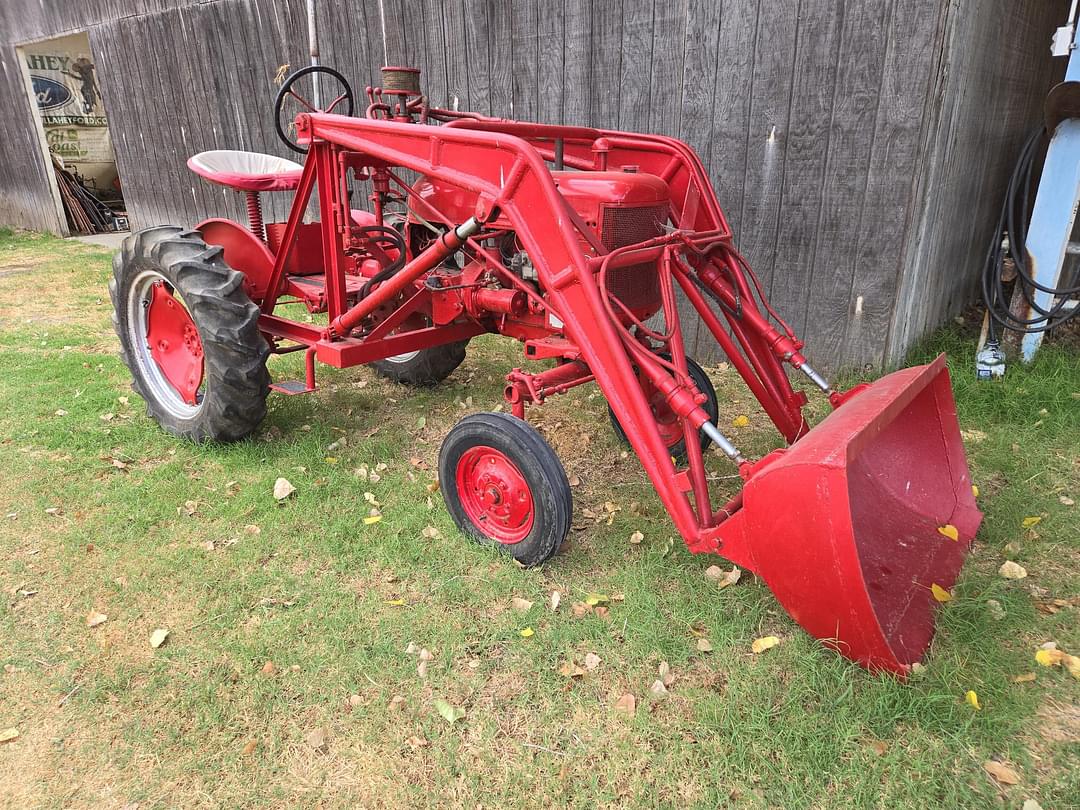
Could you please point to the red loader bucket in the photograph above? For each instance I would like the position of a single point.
(844, 525)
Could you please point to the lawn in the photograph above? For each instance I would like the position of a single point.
(312, 659)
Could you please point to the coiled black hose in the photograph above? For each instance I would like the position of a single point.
(1014, 221)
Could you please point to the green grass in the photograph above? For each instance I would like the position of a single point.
(316, 591)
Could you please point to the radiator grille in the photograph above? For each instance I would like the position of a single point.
(636, 286)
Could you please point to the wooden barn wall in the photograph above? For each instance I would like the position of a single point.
(826, 126)
(987, 97)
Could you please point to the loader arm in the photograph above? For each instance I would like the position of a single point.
(510, 176)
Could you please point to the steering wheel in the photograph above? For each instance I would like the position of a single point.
(290, 91)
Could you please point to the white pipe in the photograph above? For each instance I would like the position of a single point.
(313, 46)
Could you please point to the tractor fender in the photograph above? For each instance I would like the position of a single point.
(244, 252)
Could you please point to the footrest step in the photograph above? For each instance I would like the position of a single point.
(291, 387)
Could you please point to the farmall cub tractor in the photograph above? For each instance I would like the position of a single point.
(435, 226)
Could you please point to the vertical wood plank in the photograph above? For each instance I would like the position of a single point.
(500, 57)
(525, 52)
(549, 63)
(578, 78)
(605, 90)
(635, 73)
(855, 108)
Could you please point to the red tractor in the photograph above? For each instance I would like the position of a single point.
(434, 226)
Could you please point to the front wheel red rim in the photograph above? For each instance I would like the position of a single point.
(494, 494)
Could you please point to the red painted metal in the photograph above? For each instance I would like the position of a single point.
(494, 494)
(174, 342)
(842, 524)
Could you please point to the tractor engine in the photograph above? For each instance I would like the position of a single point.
(619, 208)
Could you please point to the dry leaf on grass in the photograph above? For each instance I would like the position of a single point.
(249, 748)
(157, 638)
(517, 603)
(9, 735)
(269, 668)
(283, 489)
(1011, 570)
(1028, 522)
(636, 538)
(879, 747)
(972, 699)
(370, 519)
(740, 421)
(764, 643)
(627, 704)
(1065, 500)
(704, 645)
(526, 632)
(94, 619)
(592, 661)
(554, 599)
(658, 690)
(568, 669)
(430, 533)
(451, 714)
(580, 609)
(665, 673)
(396, 702)
(1052, 657)
(1027, 677)
(594, 599)
(1003, 774)
(318, 739)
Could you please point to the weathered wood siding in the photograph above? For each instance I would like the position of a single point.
(857, 147)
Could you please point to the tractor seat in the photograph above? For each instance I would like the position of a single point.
(246, 171)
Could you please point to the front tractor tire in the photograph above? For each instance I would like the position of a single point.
(189, 335)
(505, 487)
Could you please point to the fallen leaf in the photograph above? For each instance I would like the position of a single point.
(451, 714)
(1011, 570)
(1065, 500)
(1027, 677)
(269, 668)
(354, 701)
(417, 742)
(317, 738)
(8, 735)
(879, 747)
(940, 594)
(665, 673)
(764, 643)
(249, 748)
(1003, 774)
(94, 618)
(396, 602)
(950, 531)
(594, 599)
(396, 702)
(740, 421)
(636, 538)
(1028, 522)
(714, 572)
(283, 489)
(704, 645)
(580, 609)
(526, 632)
(370, 519)
(568, 669)
(658, 690)
(972, 698)
(592, 661)
(517, 603)
(157, 638)
(627, 704)
(554, 600)
(975, 490)
(430, 532)
(601, 611)
(1031, 804)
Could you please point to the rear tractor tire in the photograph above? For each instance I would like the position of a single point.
(190, 335)
(423, 367)
(505, 487)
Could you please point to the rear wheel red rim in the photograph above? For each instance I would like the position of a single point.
(494, 494)
(174, 342)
